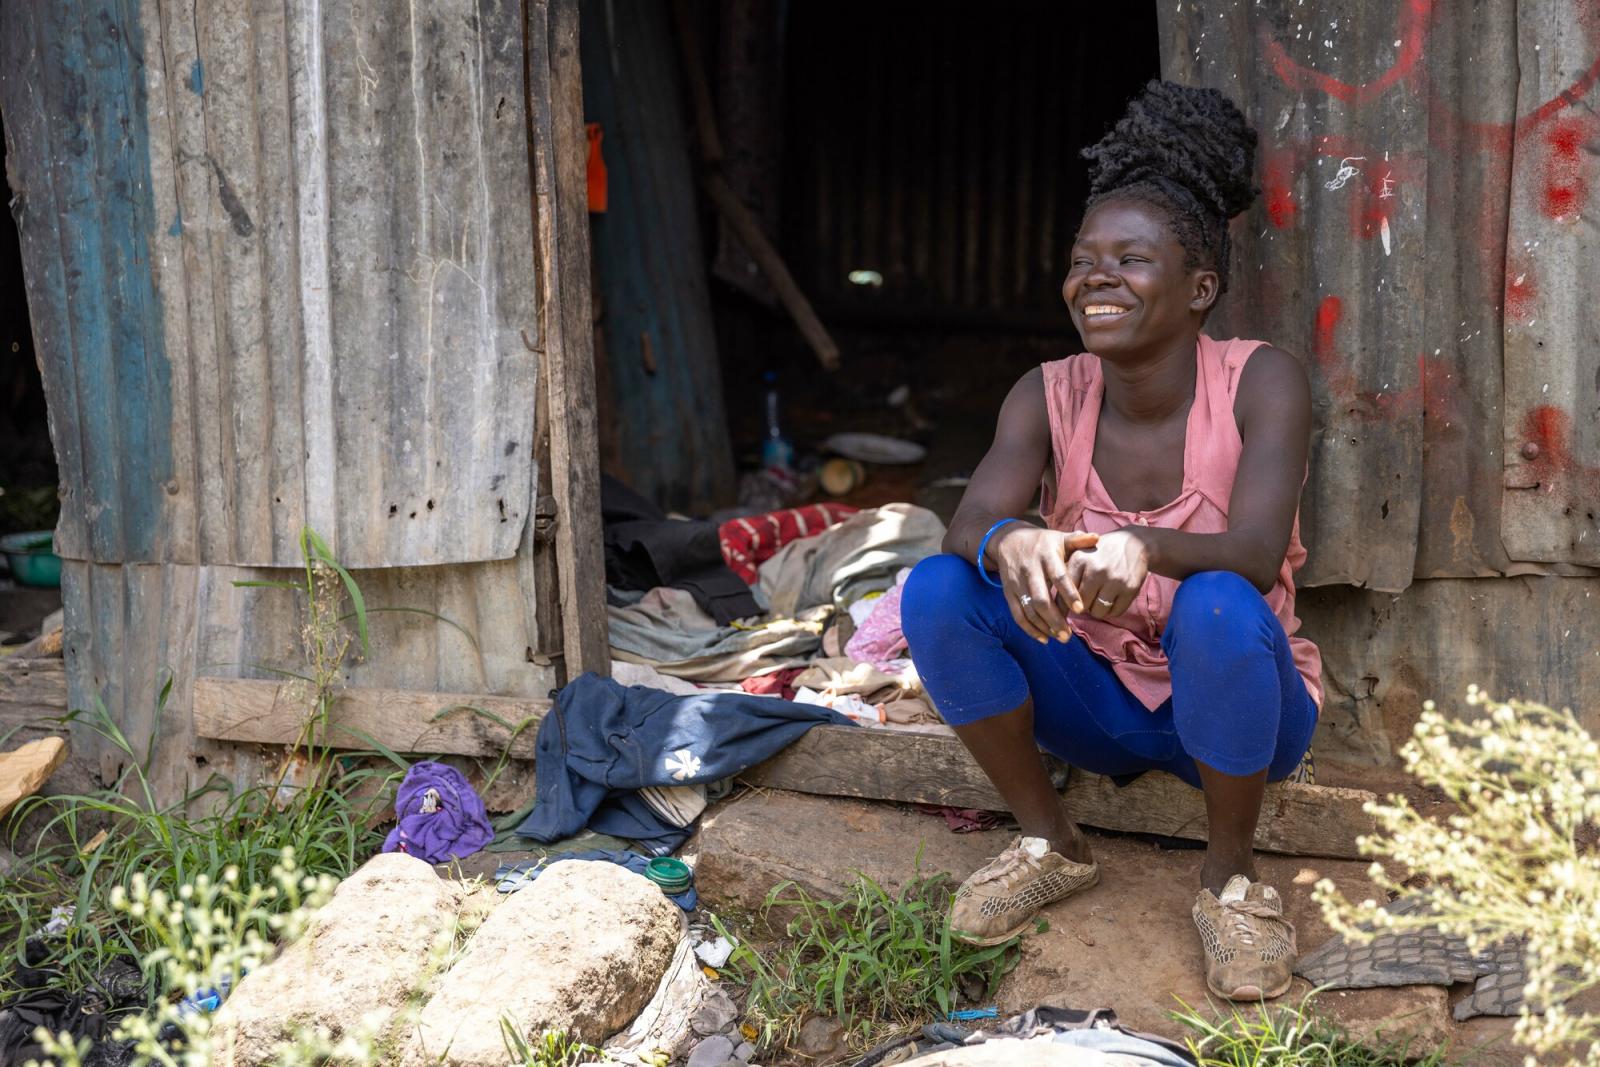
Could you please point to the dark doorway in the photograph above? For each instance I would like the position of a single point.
(28, 485)
(928, 186)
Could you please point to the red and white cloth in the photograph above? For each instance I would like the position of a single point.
(749, 542)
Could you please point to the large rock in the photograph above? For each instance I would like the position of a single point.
(581, 950)
(365, 956)
(746, 847)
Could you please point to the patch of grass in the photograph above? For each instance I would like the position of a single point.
(90, 843)
(1291, 1037)
(553, 1048)
(877, 961)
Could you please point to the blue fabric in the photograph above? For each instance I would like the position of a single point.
(510, 877)
(1238, 704)
(604, 740)
(440, 817)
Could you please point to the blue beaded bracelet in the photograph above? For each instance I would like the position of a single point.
(985, 544)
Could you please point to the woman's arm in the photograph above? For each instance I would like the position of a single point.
(1273, 407)
(1031, 562)
(1004, 483)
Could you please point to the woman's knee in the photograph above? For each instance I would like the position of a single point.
(1212, 605)
(938, 593)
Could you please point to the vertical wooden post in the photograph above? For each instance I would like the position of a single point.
(560, 151)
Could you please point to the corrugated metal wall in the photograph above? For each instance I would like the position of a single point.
(1420, 243)
(282, 264)
(936, 144)
(290, 252)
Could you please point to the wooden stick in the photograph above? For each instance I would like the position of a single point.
(745, 225)
(755, 242)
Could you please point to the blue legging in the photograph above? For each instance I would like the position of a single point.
(1238, 704)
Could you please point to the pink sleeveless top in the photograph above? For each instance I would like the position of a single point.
(1073, 389)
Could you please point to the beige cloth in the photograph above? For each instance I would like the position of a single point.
(860, 555)
(668, 630)
(900, 698)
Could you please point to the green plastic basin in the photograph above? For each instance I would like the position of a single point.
(32, 558)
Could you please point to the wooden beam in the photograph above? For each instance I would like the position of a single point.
(935, 768)
(906, 766)
(31, 689)
(274, 713)
(560, 156)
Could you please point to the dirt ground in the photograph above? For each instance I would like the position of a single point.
(1128, 943)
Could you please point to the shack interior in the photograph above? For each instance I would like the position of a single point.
(919, 175)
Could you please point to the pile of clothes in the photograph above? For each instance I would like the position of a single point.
(730, 640)
(802, 603)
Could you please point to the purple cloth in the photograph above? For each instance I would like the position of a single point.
(441, 818)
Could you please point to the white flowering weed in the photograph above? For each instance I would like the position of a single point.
(1516, 857)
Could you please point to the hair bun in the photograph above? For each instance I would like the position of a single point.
(1197, 138)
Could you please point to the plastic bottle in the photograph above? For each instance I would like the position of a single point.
(776, 451)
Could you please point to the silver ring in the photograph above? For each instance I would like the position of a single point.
(1024, 600)
(1103, 600)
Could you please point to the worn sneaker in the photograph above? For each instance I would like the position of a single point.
(1001, 898)
(1249, 945)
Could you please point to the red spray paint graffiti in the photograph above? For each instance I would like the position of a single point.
(1565, 188)
(1546, 452)
(1329, 312)
(1276, 184)
(1433, 393)
(1522, 294)
(1562, 139)
(1412, 33)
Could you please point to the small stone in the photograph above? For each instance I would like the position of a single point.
(745, 1052)
(715, 1015)
(714, 1051)
(821, 1036)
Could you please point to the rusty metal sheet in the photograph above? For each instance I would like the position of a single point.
(1552, 320)
(1536, 637)
(659, 339)
(1470, 92)
(1331, 264)
(282, 271)
(131, 627)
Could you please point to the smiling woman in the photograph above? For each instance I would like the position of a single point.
(1149, 625)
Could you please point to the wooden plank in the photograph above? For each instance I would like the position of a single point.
(560, 154)
(897, 765)
(273, 713)
(931, 768)
(31, 689)
(23, 771)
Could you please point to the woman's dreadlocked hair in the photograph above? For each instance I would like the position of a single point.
(1190, 153)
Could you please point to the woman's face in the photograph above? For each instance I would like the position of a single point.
(1127, 288)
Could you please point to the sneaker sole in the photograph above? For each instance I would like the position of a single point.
(1020, 928)
(1250, 992)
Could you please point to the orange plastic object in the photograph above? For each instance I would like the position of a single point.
(597, 169)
